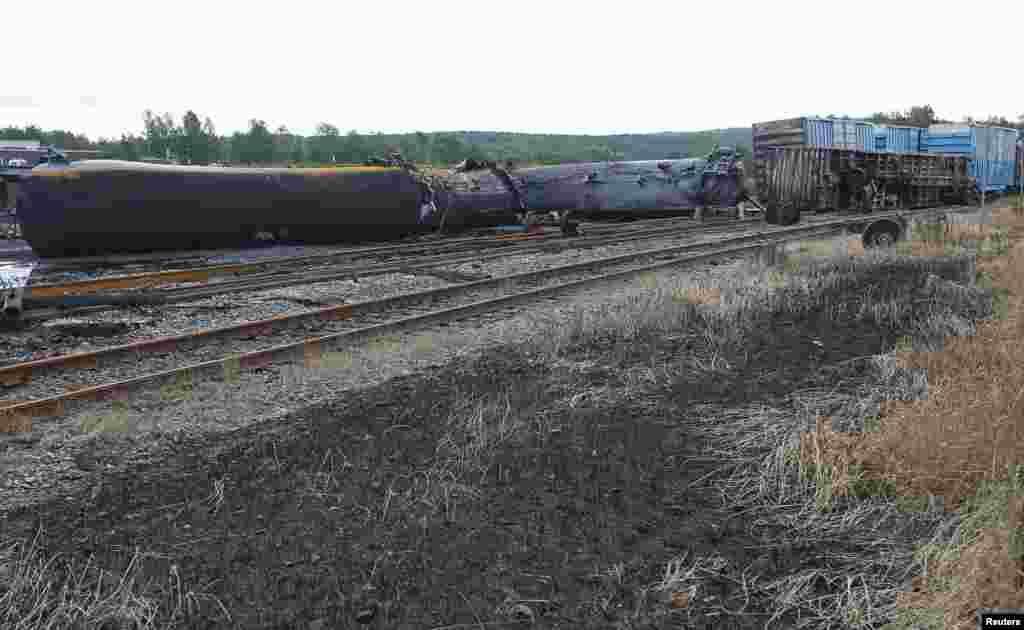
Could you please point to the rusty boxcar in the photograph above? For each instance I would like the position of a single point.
(791, 180)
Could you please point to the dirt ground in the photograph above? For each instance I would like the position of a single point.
(373, 511)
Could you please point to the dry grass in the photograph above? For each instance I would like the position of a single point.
(817, 487)
(960, 446)
(37, 593)
(818, 483)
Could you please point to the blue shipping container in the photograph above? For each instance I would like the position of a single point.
(827, 133)
(991, 150)
(898, 139)
(1019, 168)
(839, 133)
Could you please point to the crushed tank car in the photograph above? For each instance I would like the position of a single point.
(99, 206)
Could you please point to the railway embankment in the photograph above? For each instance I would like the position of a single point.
(717, 445)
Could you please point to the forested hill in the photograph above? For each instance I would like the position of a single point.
(196, 142)
(447, 147)
(653, 146)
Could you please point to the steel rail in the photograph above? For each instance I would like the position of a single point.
(204, 273)
(64, 305)
(423, 244)
(18, 417)
(23, 372)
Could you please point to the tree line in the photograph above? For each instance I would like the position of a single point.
(924, 116)
(194, 140)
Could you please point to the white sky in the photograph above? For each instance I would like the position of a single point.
(602, 66)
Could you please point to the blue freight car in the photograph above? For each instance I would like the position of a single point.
(1018, 171)
(991, 151)
(900, 139)
(811, 132)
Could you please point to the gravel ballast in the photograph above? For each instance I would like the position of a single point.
(43, 462)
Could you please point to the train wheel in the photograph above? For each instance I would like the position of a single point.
(881, 235)
(883, 239)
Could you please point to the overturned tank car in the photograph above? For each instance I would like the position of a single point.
(477, 194)
(87, 208)
(102, 206)
(652, 188)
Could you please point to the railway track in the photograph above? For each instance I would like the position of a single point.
(60, 385)
(230, 260)
(60, 300)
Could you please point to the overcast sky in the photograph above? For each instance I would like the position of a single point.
(554, 67)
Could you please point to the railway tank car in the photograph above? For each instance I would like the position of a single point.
(99, 206)
(477, 194)
(650, 188)
(483, 194)
(106, 206)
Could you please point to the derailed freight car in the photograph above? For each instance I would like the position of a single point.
(812, 132)
(87, 208)
(484, 194)
(651, 188)
(991, 151)
(1018, 178)
(477, 194)
(102, 206)
(790, 180)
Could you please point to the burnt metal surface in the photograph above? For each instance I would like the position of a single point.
(103, 206)
(607, 189)
(479, 195)
(791, 180)
(109, 206)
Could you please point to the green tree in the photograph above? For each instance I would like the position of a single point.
(354, 148)
(448, 149)
(161, 135)
(424, 144)
(916, 116)
(214, 143)
(258, 144)
(326, 144)
(129, 147)
(193, 143)
(287, 146)
(30, 132)
(921, 116)
(236, 147)
(1001, 121)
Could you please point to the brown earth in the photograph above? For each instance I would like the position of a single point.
(378, 510)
